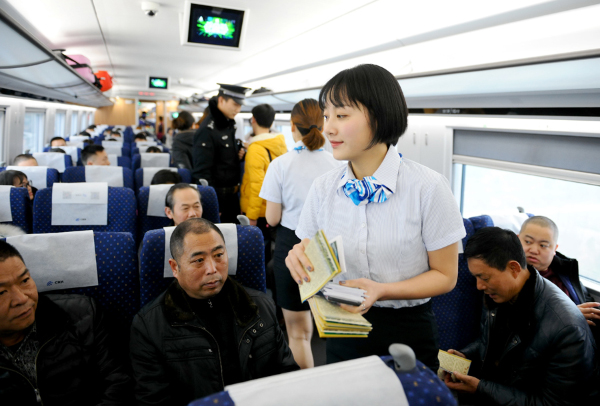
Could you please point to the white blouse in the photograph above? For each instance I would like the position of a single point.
(386, 242)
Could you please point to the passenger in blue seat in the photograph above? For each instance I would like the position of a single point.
(54, 349)
(25, 160)
(539, 237)
(398, 219)
(165, 177)
(206, 331)
(58, 142)
(182, 202)
(94, 155)
(535, 346)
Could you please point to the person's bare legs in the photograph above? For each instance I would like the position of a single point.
(299, 327)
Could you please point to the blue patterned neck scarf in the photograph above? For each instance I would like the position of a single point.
(366, 191)
(301, 147)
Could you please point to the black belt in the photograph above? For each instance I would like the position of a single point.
(228, 190)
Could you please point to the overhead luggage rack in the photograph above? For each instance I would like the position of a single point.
(27, 65)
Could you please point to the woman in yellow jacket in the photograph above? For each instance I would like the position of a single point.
(264, 146)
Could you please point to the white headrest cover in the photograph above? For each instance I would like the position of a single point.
(5, 210)
(75, 204)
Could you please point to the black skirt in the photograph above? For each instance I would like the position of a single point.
(288, 294)
(413, 326)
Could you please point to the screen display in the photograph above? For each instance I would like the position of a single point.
(215, 26)
(158, 83)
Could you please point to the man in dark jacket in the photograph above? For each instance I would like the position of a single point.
(539, 237)
(205, 331)
(54, 349)
(535, 346)
(215, 154)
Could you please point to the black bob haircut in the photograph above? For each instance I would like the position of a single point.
(496, 247)
(90, 151)
(165, 177)
(193, 225)
(264, 115)
(375, 89)
(8, 251)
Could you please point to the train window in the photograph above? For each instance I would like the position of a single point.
(60, 122)
(572, 206)
(2, 112)
(33, 135)
(74, 122)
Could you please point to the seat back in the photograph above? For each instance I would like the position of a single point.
(41, 158)
(135, 150)
(210, 209)
(186, 177)
(136, 162)
(51, 175)
(481, 221)
(250, 270)
(78, 160)
(76, 174)
(20, 207)
(121, 213)
(457, 312)
(125, 162)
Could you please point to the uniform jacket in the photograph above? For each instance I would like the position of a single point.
(75, 365)
(549, 356)
(181, 150)
(176, 360)
(257, 163)
(215, 155)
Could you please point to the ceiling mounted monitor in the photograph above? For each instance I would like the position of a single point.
(158, 83)
(213, 26)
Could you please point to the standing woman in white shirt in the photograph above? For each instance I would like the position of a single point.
(285, 187)
(399, 222)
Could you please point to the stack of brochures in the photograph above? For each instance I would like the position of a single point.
(333, 321)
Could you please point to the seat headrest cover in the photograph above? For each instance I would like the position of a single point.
(5, 210)
(78, 144)
(156, 200)
(231, 243)
(112, 175)
(72, 150)
(113, 159)
(141, 144)
(112, 144)
(148, 173)
(113, 150)
(80, 204)
(38, 175)
(512, 221)
(366, 381)
(46, 258)
(78, 138)
(54, 160)
(150, 160)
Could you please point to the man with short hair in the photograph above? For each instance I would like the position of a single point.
(25, 160)
(183, 202)
(215, 153)
(54, 349)
(139, 137)
(539, 237)
(94, 155)
(206, 331)
(58, 142)
(535, 346)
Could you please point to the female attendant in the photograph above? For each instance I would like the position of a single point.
(285, 187)
(399, 222)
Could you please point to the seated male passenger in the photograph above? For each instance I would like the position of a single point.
(205, 331)
(165, 177)
(54, 349)
(58, 142)
(25, 160)
(183, 202)
(535, 347)
(94, 155)
(539, 237)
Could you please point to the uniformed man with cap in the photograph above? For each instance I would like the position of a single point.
(215, 153)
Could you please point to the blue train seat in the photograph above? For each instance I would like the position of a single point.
(121, 213)
(186, 177)
(51, 175)
(76, 174)
(250, 269)
(20, 209)
(136, 162)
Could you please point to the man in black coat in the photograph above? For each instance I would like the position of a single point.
(215, 153)
(535, 346)
(205, 331)
(54, 349)
(539, 237)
